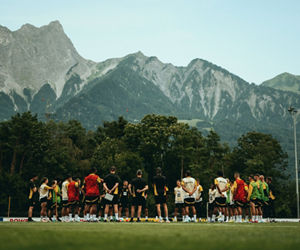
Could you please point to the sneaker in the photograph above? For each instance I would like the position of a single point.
(131, 220)
(30, 220)
(138, 220)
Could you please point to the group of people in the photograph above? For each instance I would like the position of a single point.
(108, 199)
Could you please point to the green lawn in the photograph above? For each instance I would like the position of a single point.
(149, 236)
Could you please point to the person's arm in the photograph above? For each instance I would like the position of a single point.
(48, 188)
(194, 190)
(143, 190)
(250, 192)
(105, 187)
(129, 188)
(234, 188)
(217, 186)
(114, 187)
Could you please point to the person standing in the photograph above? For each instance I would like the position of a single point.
(111, 186)
(160, 194)
(124, 199)
(137, 189)
(179, 202)
(44, 196)
(189, 185)
(73, 199)
(33, 197)
(239, 196)
(91, 186)
(220, 201)
(65, 199)
(198, 199)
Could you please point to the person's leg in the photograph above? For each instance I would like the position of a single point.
(166, 212)
(106, 210)
(132, 211)
(127, 212)
(30, 211)
(116, 211)
(158, 210)
(139, 211)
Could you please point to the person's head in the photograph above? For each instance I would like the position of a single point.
(251, 178)
(256, 177)
(45, 180)
(198, 181)
(220, 173)
(236, 175)
(178, 183)
(54, 182)
(94, 170)
(139, 173)
(158, 171)
(78, 181)
(34, 178)
(212, 186)
(112, 169)
(187, 173)
(269, 180)
(125, 183)
(262, 178)
(69, 178)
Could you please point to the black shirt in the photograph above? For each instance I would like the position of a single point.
(110, 180)
(138, 183)
(33, 195)
(159, 184)
(124, 192)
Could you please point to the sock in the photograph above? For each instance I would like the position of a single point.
(160, 218)
(246, 217)
(116, 216)
(76, 217)
(195, 217)
(175, 218)
(208, 218)
(213, 217)
(87, 216)
(70, 216)
(146, 217)
(94, 217)
(167, 218)
(111, 218)
(105, 216)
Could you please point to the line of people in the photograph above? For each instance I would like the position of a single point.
(99, 199)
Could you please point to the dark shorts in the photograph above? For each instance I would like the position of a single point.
(32, 202)
(189, 202)
(50, 204)
(124, 202)
(160, 199)
(73, 204)
(179, 205)
(91, 200)
(114, 201)
(65, 203)
(220, 201)
(138, 201)
(211, 206)
(43, 200)
(240, 203)
(256, 202)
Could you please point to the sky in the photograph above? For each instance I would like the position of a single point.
(255, 39)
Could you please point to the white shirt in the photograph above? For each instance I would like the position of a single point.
(212, 195)
(43, 191)
(179, 193)
(222, 183)
(189, 183)
(64, 190)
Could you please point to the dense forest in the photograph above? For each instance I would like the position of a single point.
(31, 147)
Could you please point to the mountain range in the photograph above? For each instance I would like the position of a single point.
(41, 71)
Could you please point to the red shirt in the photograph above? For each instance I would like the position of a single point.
(91, 184)
(73, 191)
(240, 193)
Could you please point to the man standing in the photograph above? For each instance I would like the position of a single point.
(198, 199)
(239, 196)
(137, 189)
(189, 185)
(111, 187)
(265, 198)
(253, 198)
(91, 185)
(220, 201)
(33, 197)
(260, 198)
(160, 194)
(74, 198)
(65, 199)
(124, 199)
(271, 208)
(179, 202)
(44, 197)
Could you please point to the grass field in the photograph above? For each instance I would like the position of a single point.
(149, 236)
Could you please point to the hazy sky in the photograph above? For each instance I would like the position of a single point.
(255, 39)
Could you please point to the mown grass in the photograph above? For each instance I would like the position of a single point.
(149, 236)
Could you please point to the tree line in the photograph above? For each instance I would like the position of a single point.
(31, 147)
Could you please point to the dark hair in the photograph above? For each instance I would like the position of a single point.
(251, 176)
(188, 173)
(269, 178)
(53, 182)
(112, 168)
(44, 179)
(139, 172)
(257, 175)
(94, 170)
(220, 173)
